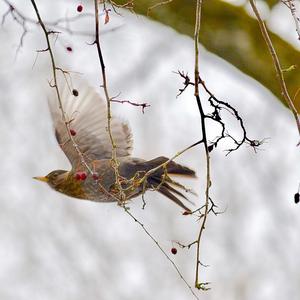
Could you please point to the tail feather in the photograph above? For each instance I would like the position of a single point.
(176, 184)
(164, 184)
(173, 190)
(170, 188)
(170, 192)
(172, 167)
(177, 169)
(165, 191)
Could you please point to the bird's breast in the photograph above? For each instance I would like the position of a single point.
(72, 188)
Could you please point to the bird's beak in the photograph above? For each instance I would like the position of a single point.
(41, 178)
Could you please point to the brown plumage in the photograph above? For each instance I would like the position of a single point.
(88, 121)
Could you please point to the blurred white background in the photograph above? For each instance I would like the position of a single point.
(55, 247)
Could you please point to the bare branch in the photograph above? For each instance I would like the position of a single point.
(55, 86)
(276, 63)
(142, 105)
(115, 163)
(218, 106)
(290, 4)
(198, 283)
(162, 250)
(157, 5)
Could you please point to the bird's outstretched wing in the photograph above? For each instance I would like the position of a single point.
(87, 114)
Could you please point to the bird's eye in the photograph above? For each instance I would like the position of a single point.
(54, 175)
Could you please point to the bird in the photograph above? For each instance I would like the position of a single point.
(93, 176)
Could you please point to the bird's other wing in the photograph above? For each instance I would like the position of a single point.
(87, 114)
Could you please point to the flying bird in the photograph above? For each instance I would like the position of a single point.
(86, 113)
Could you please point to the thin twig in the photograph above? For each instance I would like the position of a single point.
(164, 165)
(127, 5)
(157, 5)
(218, 106)
(142, 105)
(276, 63)
(198, 283)
(162, 250)
(54, 70)
(290, 4)
(114, 160)
(22, 20)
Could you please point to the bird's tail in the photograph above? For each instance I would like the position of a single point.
(162, 182)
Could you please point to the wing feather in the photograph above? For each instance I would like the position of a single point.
(87, 114)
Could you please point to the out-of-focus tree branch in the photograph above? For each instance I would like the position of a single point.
(276, 62)
(232, 34)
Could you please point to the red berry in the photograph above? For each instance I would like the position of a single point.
(174, 251)
(77, 176)
(95, 176)
(73, 132)
(79, 8)
(83, 176)
(69, 49)
(80, 176)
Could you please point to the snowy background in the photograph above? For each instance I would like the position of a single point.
(55, 247)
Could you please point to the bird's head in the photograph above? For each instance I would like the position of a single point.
(54, 178)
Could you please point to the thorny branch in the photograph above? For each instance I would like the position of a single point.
(198, 283)
(212, 209)
(217, 105)
(216, 115)
(276, 62)
(114, 160)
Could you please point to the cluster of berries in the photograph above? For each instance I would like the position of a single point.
(83, 175)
